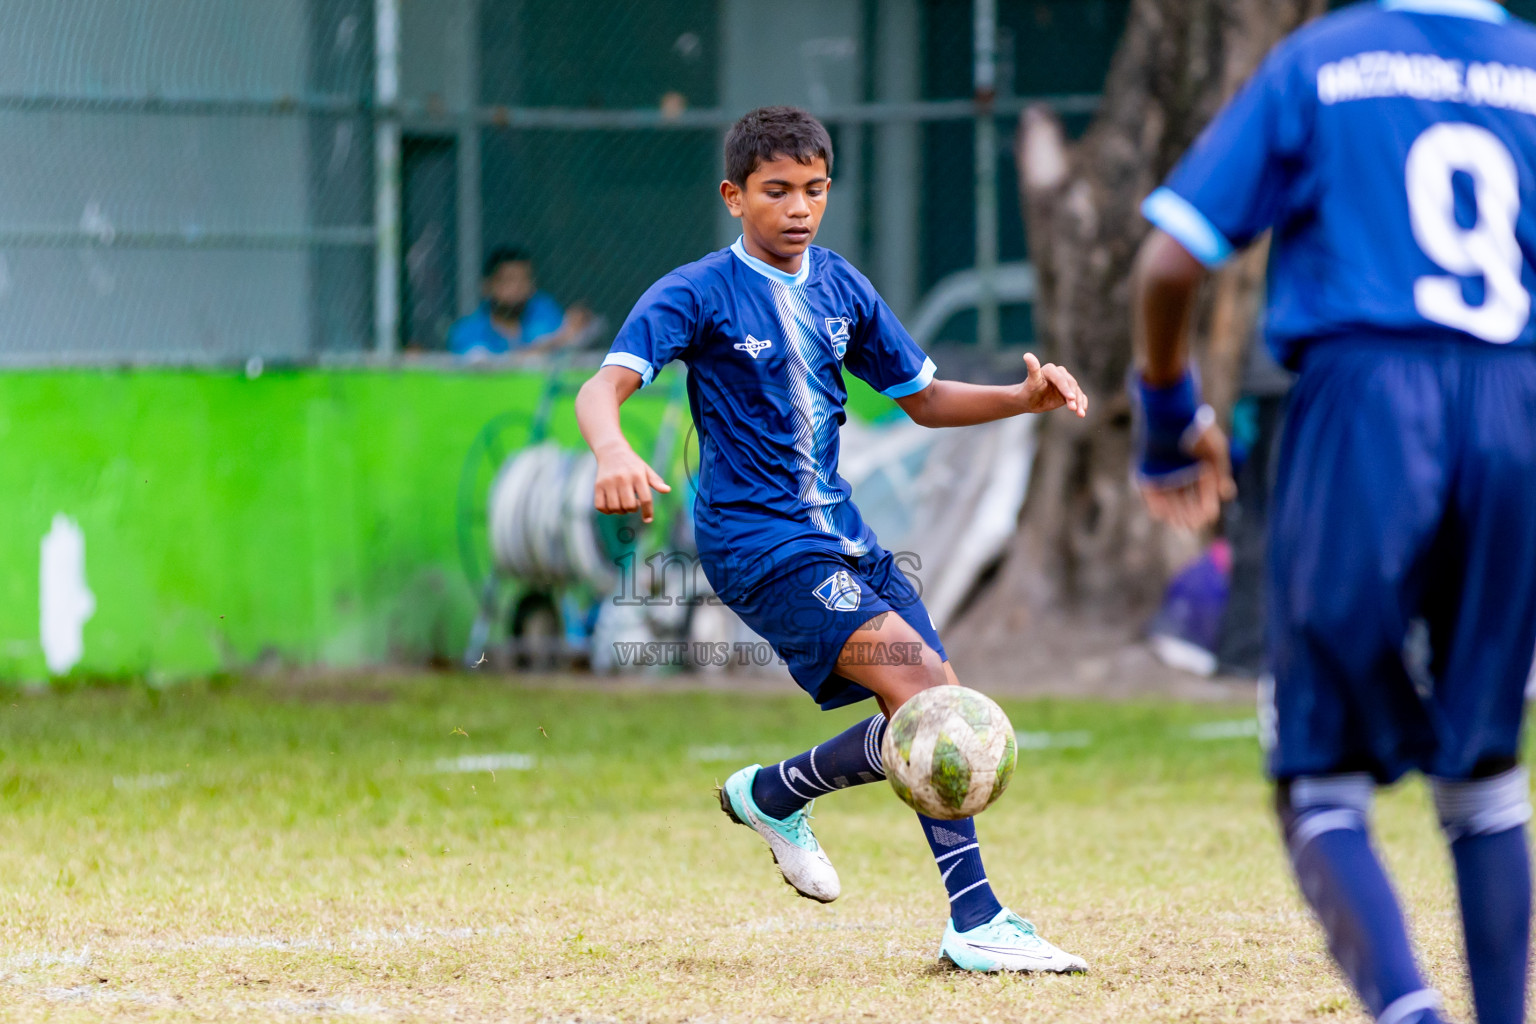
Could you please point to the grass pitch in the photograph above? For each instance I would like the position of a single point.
(463, 849)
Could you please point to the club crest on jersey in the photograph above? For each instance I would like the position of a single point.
(839, 592)
(837, 329)
(753, 346)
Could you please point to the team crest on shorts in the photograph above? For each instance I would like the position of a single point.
(839, 592)
(837, 330)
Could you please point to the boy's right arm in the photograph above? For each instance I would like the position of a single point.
(1232, 185)
(624, 480)
(1164, 286)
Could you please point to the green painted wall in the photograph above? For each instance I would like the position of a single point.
(308, 516)
(303, 516)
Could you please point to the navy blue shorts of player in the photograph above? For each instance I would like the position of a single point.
(1406, 491)
(809, 611)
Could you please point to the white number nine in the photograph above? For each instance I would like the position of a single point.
(1487, 249)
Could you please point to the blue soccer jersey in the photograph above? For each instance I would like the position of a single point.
(1392, 148)
(765, 352)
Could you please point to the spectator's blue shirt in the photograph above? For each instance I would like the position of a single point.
(475, 334)
(765, 352)
(1392, 148)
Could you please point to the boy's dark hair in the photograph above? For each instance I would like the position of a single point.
(503, 254)
(770, 132)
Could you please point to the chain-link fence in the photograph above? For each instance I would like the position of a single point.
(211, 180)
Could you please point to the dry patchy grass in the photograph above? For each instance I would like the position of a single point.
(252, 854)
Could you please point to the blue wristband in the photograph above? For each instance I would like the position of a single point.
(1167, 421)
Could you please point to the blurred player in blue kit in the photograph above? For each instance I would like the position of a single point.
(1391, 149)
(766, 327)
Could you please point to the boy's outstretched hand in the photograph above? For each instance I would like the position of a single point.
(625, 482)
(1051, 387)
(953, 403)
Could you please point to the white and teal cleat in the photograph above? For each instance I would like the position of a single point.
(795, 850)
(1006, 943)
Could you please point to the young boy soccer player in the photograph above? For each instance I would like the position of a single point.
(766, 328)
(1392, 149)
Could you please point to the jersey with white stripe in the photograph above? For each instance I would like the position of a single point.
(1392, 148)
(765, 351)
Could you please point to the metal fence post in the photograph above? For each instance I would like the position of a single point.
(468, 52)
(984, 78)
(386, 131)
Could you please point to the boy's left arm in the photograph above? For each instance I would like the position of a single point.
(883, 355)
(953, 403)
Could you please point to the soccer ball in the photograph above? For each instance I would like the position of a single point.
(949, 752)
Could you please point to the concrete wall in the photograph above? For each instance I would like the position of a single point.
(308, 517)
(804, 53)
(821, 54)
(110, 174)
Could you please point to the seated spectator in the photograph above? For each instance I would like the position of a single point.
(515, 316)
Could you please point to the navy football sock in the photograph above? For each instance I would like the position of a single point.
(851, 758)
(1493, 879)
(1485, 822)
(958, 855)
(1325, 830)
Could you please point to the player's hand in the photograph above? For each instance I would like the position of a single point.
(625, 482)
(1196, 504)
(1050, 387)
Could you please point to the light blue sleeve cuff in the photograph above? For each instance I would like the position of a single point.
(1188, 226)
(630, 361)
(923, 379)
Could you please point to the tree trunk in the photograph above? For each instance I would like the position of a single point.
(1085, 547)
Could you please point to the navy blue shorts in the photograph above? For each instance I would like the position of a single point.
(808, 611)
(1402, 591)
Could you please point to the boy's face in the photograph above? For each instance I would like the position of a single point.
(780, 206)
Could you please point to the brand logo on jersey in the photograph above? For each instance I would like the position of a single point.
(752, 346)
(837, 330)
(839, 592)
